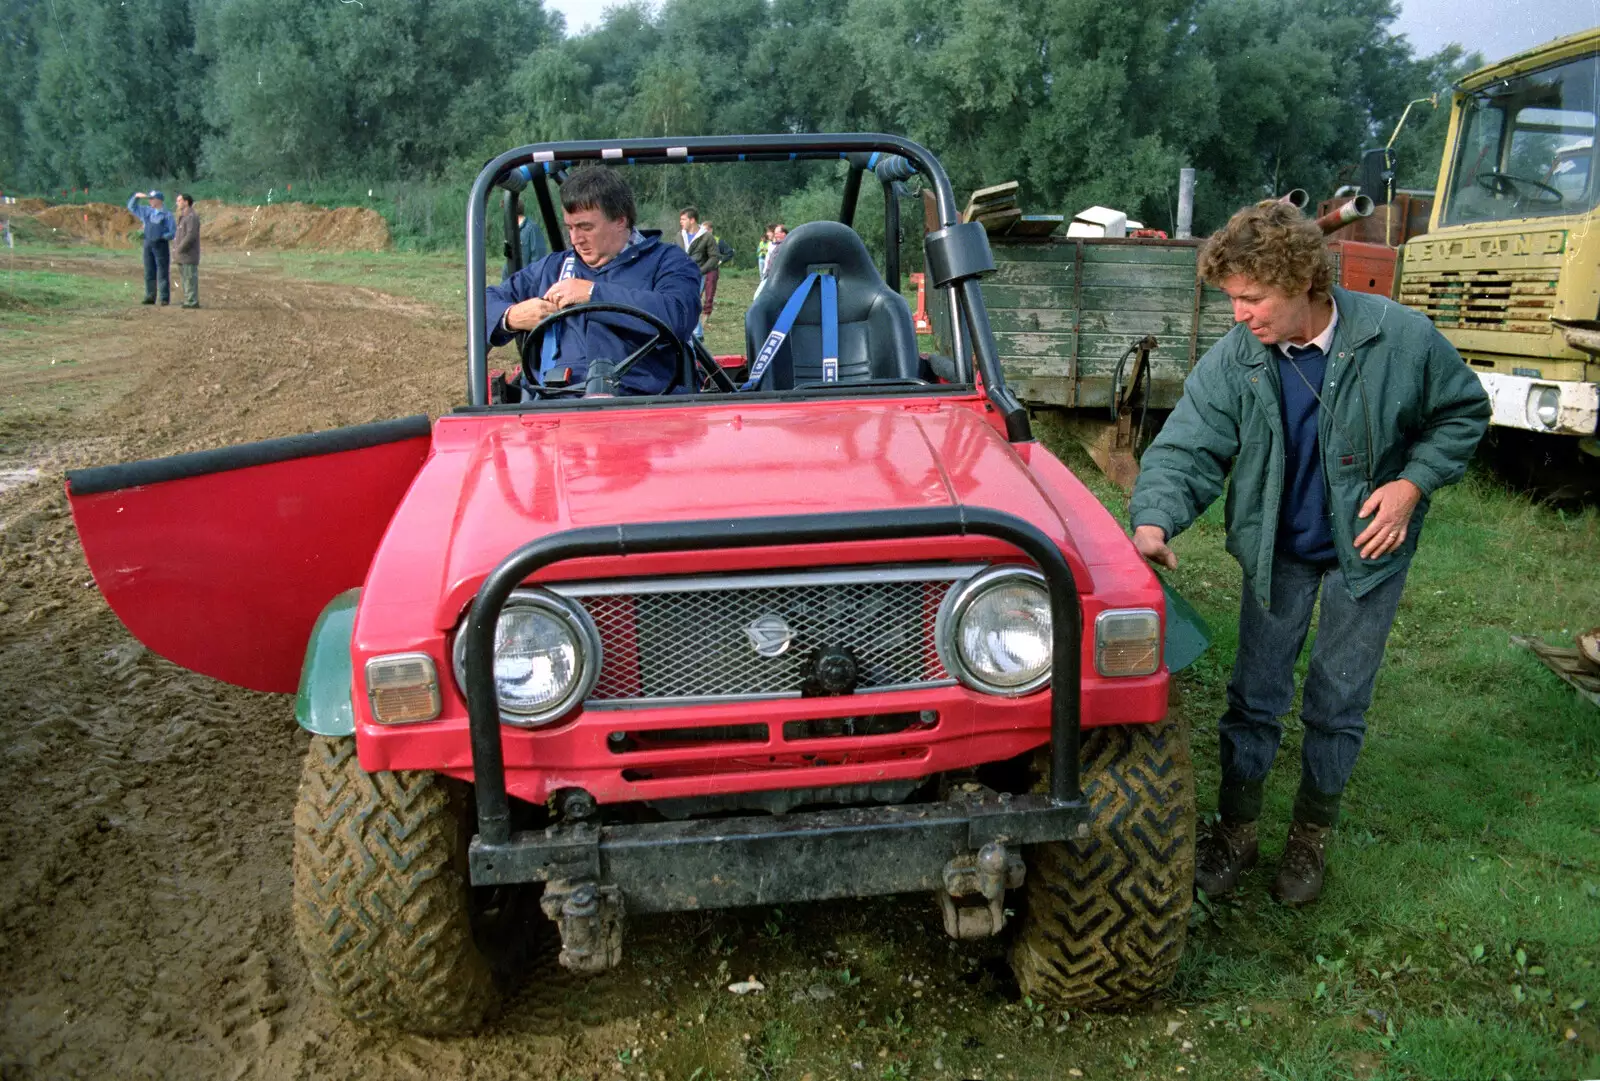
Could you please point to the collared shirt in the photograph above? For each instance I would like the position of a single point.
(1323, 341)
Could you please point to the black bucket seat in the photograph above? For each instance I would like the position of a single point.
(877, 339)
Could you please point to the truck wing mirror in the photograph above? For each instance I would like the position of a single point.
(1376, 178)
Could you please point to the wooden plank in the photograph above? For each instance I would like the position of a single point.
(1007, 272)
(1104, 252)
(1026, 345)
(1027, 296)
(1139, 275)
(1125, 298)
(1163, 325)
(1031, 319)
(1037, 224)
(1021, 250)
(998, 193)
(996, 222)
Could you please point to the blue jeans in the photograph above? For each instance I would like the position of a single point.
(1345, 657)
(158, 270)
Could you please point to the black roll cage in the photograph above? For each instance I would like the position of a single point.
(957, 253)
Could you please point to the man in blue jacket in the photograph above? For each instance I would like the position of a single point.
(610, 262)
(158, 230)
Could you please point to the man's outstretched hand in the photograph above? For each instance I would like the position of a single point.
(1390, 508)
(1151, 540)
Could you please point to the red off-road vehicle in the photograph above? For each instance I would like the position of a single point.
(850, 631)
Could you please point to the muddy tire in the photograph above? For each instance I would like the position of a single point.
(1104, 918)
(381, 902)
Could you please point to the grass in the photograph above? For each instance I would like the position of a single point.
(1457, 935)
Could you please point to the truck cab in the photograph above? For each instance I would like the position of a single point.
(1509, 269)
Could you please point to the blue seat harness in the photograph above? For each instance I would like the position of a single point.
(785, 323)
(547, 348)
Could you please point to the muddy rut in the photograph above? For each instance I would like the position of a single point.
(145, 812)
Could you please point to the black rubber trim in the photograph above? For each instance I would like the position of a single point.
(111, 478)
(764, 397)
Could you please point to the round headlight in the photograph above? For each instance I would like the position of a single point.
(1544, 403)
(995, 631)
(546, 658)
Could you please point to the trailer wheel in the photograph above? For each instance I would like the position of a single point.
(1104, 917)
(382, 907)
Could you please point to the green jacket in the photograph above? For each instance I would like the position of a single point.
(1398, 402)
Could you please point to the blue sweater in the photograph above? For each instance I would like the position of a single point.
(656, 277)
(1303, 528)
(158, 223)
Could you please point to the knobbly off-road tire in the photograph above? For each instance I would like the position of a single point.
(1104, 918)
(382, 907)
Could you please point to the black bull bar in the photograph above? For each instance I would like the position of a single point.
(716, 863)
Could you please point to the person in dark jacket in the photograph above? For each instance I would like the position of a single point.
(158, 230)
(531, 237)
(186, 250)
(1334, 417)
(701, 244)
(611, 261)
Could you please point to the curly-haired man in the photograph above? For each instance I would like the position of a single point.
(1337, 415)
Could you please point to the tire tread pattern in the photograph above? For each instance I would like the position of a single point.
(1105, 917)
(381, 901)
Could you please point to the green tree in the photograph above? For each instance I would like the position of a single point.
(116, 94)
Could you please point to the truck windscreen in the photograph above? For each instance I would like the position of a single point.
(1526, 147)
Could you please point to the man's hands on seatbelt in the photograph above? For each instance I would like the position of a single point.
(528, 314)
(1151, 540)
(570, 291)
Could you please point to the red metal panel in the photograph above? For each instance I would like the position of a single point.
(1365, 268)
(225, 573)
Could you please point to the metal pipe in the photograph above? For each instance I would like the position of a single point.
(513, 233)
(483, 708)
(852, 195)
(1344, 214)
(547, 211)
(1295, 197)
(987, 361)
(1185, 224)
(891, 236)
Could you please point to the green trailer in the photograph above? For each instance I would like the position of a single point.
(1079, 322)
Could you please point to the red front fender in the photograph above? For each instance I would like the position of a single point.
(220, 561)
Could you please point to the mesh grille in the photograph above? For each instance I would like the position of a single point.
(697, 644)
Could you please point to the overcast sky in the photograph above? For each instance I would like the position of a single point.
(1496, 28)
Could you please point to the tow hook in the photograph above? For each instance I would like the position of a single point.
(590, 920)
(975, 884)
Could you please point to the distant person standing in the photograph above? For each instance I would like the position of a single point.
(702, 248)
(158, 230)
(534, 246)
(186, 250)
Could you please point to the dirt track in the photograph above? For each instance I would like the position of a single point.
(145, 812)
(145, 830)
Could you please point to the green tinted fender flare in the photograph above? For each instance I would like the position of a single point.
(322, 705)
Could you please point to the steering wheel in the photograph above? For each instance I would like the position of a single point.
(608, 374)
(1506, 184)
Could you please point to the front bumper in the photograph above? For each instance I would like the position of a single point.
(1513, 399)
(769, 859)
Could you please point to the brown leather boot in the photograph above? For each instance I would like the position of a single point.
(1299, 878)
(1227, 851)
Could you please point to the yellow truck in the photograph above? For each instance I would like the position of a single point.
(1509, 269)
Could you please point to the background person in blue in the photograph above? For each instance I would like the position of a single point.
(611, 262)
(531, 237)
(158, 230)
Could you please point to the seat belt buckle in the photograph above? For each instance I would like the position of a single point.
(556, 377)
(830, 369)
